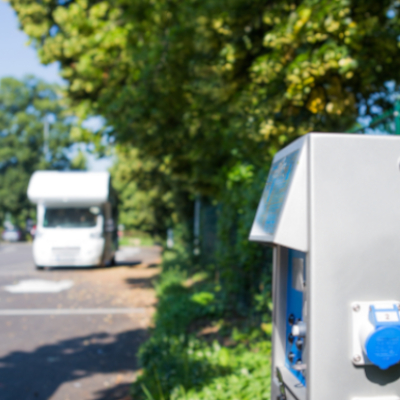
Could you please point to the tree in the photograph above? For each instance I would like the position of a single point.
(208, 90)
(24, 105)
(148, 201)
(79, 162)
(202, 86)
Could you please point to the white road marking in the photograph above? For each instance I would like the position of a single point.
(69, 311)
(39, 286)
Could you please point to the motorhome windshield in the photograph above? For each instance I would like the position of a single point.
(71, 217)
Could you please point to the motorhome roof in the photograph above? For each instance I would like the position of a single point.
(55, 187)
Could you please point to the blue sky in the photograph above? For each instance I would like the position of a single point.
(17, 59)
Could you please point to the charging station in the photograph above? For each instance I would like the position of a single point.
(331, 209)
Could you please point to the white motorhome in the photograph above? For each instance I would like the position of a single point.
(76, 218)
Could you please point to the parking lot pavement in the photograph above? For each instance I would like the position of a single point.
(72, 333)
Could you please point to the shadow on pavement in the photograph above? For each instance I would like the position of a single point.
(94, 267)
(118, 392)
(38, 374)
(154, 265)
(140, 283)
(126, 263)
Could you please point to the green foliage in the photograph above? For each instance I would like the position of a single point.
(180, 304)
(171, 357)
(249, 378)
(201, 87)
(200, 95)
(23, 107)
(203, 298)
(136, 240)
(179, 365)
(79, 162)
(199, 371)
(243, 268)
(146, 199)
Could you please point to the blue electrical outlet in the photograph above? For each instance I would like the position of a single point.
(383, 344)
(294, 313)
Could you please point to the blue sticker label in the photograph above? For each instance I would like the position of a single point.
(275, 192)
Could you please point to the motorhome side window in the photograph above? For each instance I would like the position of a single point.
(82, 217)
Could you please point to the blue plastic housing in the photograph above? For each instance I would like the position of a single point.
(294, 311)
(383, 345)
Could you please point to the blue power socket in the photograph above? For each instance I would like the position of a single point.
(294, 312)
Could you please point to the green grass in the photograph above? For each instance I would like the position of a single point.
(135, 241)
(180, 363)
(248, 379)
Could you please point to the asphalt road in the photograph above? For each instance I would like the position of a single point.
(72, 333)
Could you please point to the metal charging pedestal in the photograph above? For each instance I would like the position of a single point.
(331, 209)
